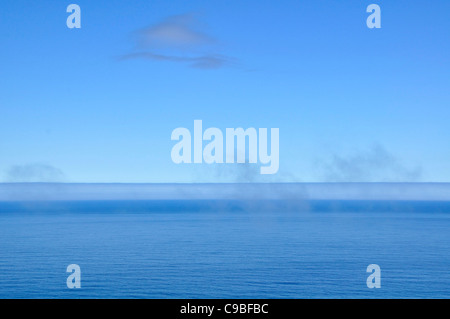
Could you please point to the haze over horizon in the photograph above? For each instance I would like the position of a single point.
(225, 191)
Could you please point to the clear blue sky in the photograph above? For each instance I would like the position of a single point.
(352, 103)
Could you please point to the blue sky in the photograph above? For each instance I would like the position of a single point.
(352, 104)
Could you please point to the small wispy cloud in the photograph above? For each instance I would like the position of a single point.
(34, 173)
(200, 62)
(181, 31)
(373, 165)
(177, 39)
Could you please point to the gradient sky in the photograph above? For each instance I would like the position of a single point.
(352, 104)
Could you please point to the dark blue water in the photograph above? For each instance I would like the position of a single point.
(211, 249)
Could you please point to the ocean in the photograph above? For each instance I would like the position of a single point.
(225, 249)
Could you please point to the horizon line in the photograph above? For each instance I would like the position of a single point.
(228, 191)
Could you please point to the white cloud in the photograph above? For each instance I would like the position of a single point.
(177, 31)
(177, 39)
(373, 165)
(34, 173)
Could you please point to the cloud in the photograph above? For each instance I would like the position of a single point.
(34, 173)
(239, 173)
(174, 32)
(200, 62)
(374, 165)
(177, 39)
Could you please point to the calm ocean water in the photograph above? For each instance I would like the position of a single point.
(212, 249)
